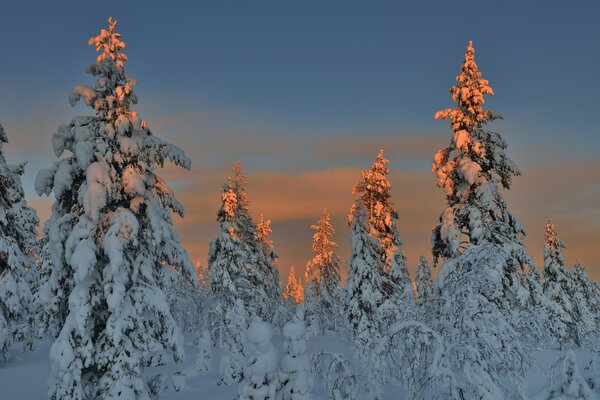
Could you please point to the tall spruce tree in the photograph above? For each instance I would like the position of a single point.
(590, 294)
(374, 192)
(109, 238)
(559, 288)
(17, 243)
(472, 171)
(267, 262)
(483, 290)
(324, 277)
(364, 287)
(427, 299)
(230, 268)
(256, 238)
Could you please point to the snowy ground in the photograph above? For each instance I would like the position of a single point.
(24, 376)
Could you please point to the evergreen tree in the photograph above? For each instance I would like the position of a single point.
(568, 384)
(484, 347)
(110, 236)
(559, 288)
(17, 243)
(590, 292)
(324, 277)
(472, 171)
(585, 306)
(295, 380)
(426, 296)
(312, 321)
(535, 321)
(364, 288)
(374, 192)
(264, 276)
(231, 367)
(260, 373)
(230, 269)
(293, 289)
(267, 262)
(203, 359)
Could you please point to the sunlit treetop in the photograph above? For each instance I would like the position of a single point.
(113, 94)
(322, 243)
(469, 97)
(109, 45)
(374, 190)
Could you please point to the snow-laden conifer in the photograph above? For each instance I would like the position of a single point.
(268, 263)
(484, 349)
(231, 366)
(17, 245)
(109, 237)
(293, 290)
(203, 360)
(262, 255)
(364, 288)
(312, 321)
(559, 288)
(427, 299)
(472, 171)
(566, 382)
(374, 192)
(585, 306)
(260, 372)
(323, 274)
(230, 269)
(590, 293)
(295, 380)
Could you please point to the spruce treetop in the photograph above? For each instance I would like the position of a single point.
(469, 97)
(374, 191)
(293, 289)
(322, 243)
(263, 231)
(552, 242)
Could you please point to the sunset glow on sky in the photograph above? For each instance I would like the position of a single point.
(305, 96)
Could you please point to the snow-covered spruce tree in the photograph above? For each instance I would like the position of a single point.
(590, 293)
(295, 380)
(484, 349)
(585, 308)
(472, 171)
(263, 257)
(416, 355)
(427, 298)
(567, 382)
(325, 278)
(559, 288)
(185, 301)
(268, 258)
(374, 192)
(203, 359)
(293, 290)
(109, 237)
(231, 366)
(260, 373)
(535, 322)
(364, 287)
(311, 318)
(17, 243)
(230, 269)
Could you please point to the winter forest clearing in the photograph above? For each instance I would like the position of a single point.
(108, 305)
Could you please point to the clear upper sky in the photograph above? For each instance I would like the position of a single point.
(304, 94)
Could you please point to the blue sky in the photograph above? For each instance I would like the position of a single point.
(314, 86)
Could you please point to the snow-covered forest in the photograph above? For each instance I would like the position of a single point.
(102, 301)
